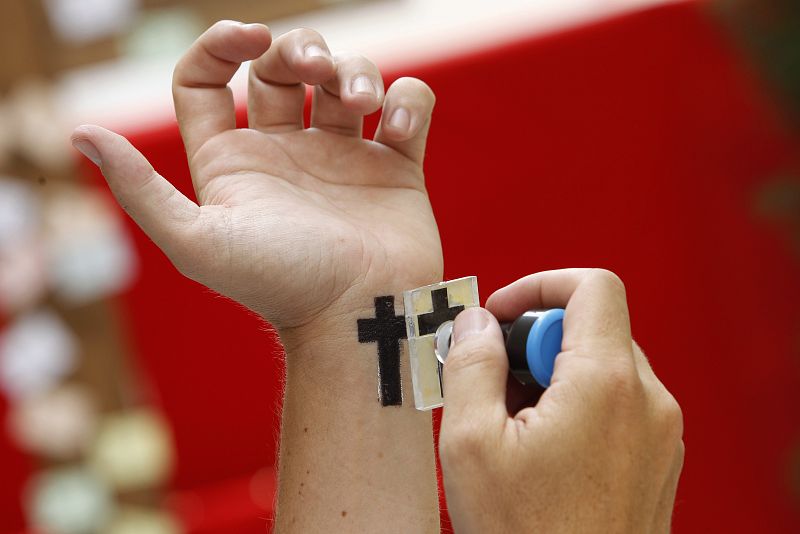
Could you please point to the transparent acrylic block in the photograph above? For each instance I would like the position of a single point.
(427, 308)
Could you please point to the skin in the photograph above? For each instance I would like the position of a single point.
(305, 226)
(601, 450)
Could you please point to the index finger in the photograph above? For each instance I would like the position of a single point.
(596, 315)
(203, 101)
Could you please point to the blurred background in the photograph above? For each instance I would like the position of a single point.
(655, 138)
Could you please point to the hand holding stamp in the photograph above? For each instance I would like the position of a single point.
(532, 340)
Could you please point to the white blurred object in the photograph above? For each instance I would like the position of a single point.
(36, 352)
(80, 21)
(19, 212)
(57, 424)
(22, 276)
(90, 255)
(133, 450)
(135, 520)
(69, 501)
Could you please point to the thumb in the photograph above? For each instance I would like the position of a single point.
(475, 372)
(160, 210)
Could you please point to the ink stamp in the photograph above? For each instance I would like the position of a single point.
(426, 309)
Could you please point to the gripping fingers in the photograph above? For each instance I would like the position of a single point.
(475, 374)
(203, 101)
(161, 211)
(276, 94)
(357, 90)
(406, 118)
(596, 307)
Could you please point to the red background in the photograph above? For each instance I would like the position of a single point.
(640, 145)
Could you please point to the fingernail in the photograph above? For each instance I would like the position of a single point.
(361, 85)
(469, 322)
(313, 51)
(400, 119)
(85, 147)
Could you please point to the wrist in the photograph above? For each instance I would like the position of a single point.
(338, 321)
(356, 347)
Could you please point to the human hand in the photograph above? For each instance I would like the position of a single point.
(602, 449)
(298, 224)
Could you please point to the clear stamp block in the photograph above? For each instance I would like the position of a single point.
(426, 309)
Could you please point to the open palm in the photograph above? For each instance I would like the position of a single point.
(290, 219)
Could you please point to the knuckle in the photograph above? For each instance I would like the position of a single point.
(305, 35)
(621, 383)
(681, 454)
(221, 25)
(353, 58)
(671, 417)
(352, 64)
(608, 278)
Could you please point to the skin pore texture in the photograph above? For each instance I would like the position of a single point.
(307, 226)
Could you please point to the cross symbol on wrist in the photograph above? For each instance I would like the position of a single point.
(387, 329)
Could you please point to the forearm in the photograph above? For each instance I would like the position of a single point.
(348, 463)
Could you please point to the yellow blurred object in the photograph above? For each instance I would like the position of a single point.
(133, 450)
(135, 520)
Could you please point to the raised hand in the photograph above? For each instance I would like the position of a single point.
(296, 223)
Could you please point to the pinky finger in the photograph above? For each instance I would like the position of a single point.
(406, 118)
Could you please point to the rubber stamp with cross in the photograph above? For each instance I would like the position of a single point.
(426, 308)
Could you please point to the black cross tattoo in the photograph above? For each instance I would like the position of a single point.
(387, 329)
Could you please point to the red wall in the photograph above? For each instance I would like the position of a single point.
(639, 145)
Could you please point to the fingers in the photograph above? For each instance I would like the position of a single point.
(406, 118)
(203, 101)
(475, 372)
(158, 208)
(347, 87)
(596, 319)
(277, 93)
(340, 104)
